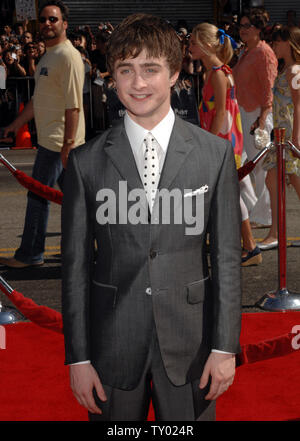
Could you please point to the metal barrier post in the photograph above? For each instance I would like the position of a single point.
(7, 314)
(281, 299)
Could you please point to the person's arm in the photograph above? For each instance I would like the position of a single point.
(22, 119)
(25, 24)
(77, 257)
(20, 69)
(71, 125)
(31, 66)
(219, 83)
(104, 74)
(266, 68)
(293, 76)
(72, 85)
(225, 254)
(264, 112)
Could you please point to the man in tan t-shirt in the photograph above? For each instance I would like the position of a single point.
(57, 108)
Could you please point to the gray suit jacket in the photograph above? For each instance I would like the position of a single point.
(107, 306)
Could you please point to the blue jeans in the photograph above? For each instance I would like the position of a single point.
(48, 170)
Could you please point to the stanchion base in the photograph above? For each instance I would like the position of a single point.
(9, 315)
(280, 300)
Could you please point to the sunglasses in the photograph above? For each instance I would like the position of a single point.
(245, 26)
(51, 19)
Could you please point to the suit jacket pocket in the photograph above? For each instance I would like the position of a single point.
(196, 291)
(104, 295)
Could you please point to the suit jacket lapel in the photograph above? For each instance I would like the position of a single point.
(179, 147)
(119, 150)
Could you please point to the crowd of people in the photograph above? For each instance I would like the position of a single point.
(21, 50)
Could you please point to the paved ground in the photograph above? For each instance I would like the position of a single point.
(43, 284)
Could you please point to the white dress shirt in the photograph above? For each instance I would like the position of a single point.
(136, 135)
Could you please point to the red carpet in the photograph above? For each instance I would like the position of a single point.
(34, 382)
(267, 390)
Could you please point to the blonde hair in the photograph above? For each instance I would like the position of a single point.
(207, 33)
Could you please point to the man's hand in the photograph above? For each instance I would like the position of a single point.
(83, 378)
(221, 368)
(25, 116)
(14, 127)
(64, 153)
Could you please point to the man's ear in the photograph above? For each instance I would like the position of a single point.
(173, 79)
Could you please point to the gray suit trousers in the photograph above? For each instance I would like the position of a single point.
(170, 403)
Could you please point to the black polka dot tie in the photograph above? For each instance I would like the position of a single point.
(151, 169)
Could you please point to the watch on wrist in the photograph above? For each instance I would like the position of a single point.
(69, 141)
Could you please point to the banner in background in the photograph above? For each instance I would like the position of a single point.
(25, 9)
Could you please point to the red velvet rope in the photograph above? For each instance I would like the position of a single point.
(51, 194)
(40, 315)
(264, 350)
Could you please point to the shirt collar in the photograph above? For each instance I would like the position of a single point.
(161, 132)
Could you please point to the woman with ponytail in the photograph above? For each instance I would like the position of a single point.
(219, 112)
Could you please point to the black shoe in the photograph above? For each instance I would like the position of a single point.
(253, 257)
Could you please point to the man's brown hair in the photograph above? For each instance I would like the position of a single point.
(144, 31)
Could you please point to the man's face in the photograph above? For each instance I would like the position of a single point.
(19, 30)
(27, 37)
(143, 86)
(41, 47)
(31, 50)
(52, 26)
(7, 29)
(9, 58)
(77, 41)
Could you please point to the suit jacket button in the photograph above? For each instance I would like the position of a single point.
(149, 291)
(153, 254)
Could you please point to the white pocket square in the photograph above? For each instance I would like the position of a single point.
(201, 190)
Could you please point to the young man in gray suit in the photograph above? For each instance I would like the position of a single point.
(144, 317)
